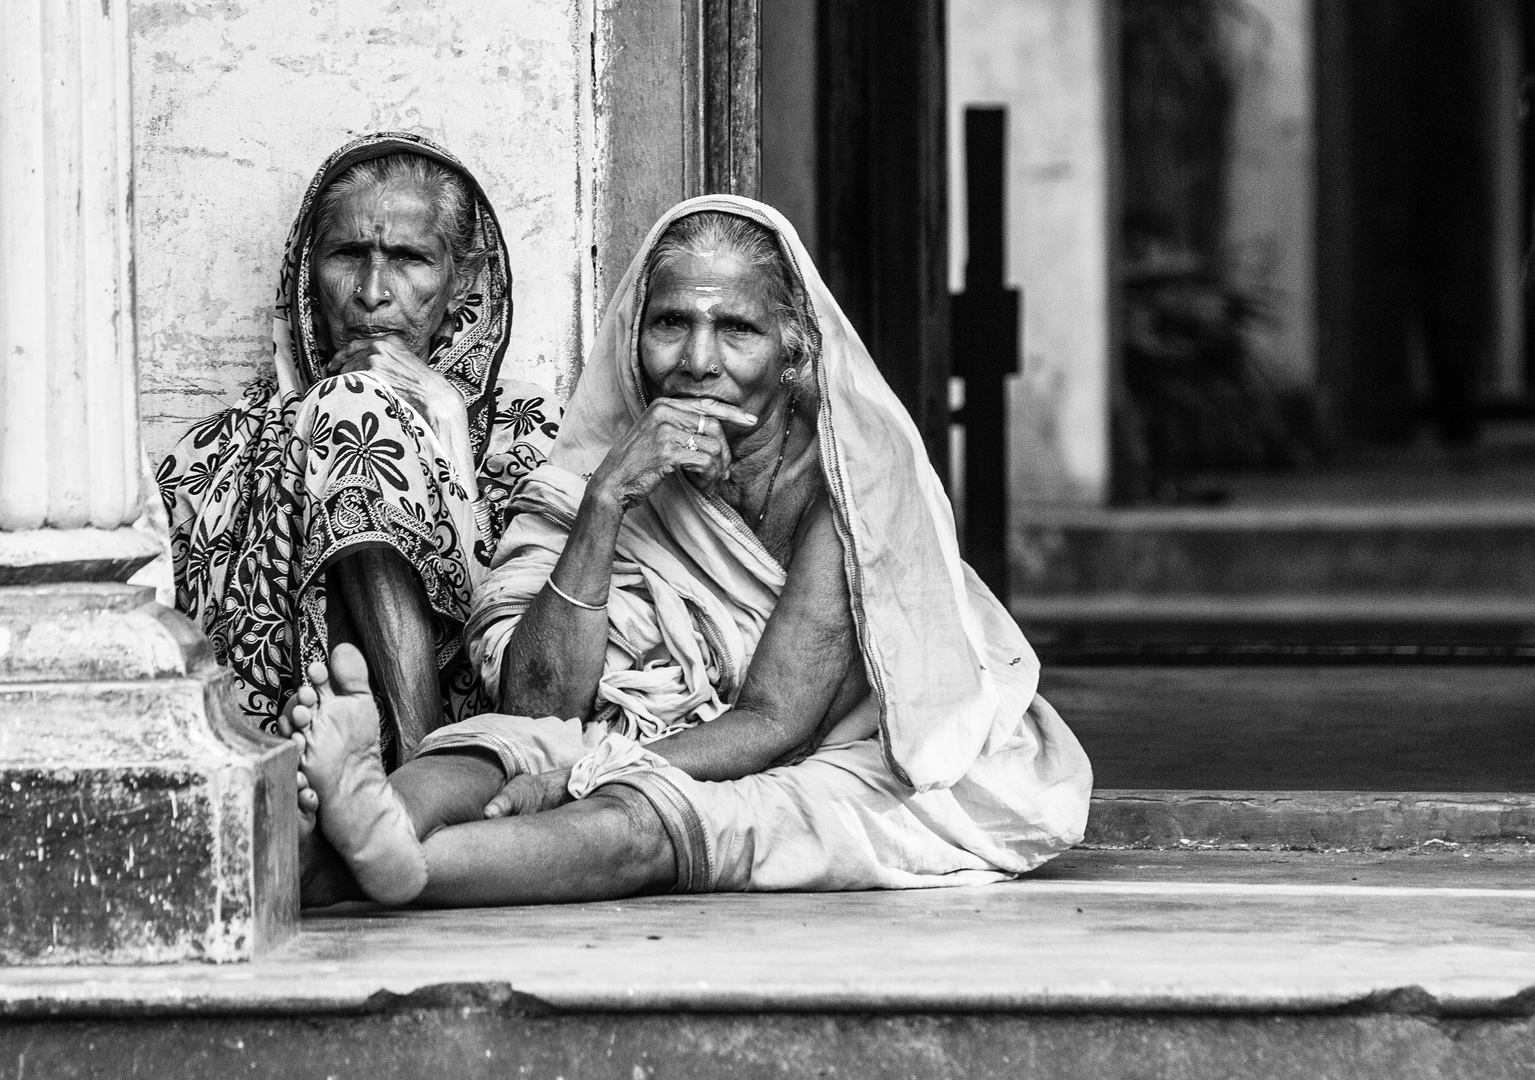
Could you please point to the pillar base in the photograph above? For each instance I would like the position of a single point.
(140, 820)
(43, 556)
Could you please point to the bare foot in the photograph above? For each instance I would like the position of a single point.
(308, 801)
(359, 813)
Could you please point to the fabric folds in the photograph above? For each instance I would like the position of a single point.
(264, 496)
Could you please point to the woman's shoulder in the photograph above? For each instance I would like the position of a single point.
(524, 411)
(215, 435)
(524, 425)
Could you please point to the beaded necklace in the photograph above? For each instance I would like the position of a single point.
(788, 426)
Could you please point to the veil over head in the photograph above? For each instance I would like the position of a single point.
(469, 356)
(951, 670)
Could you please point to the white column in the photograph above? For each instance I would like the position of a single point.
(144, 822)
(69, 440)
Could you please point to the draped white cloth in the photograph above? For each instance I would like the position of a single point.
(953, 710)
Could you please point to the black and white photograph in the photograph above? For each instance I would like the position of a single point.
(760, 539)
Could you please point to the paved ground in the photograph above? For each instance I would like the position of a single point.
(1115, 931)
(1109, 965)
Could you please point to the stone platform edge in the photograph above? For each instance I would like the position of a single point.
(504, 997)
(1306, 820)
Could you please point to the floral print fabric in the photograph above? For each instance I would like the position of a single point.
(263, 497)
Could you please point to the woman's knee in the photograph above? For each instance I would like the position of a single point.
(450, 788)
(628, 817)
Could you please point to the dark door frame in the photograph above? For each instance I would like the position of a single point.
(882, 177)
(722, 97)
(883, 194)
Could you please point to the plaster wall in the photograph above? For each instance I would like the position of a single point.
(235, 106)
(1045, 61)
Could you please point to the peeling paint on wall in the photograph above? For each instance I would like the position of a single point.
(235, 106)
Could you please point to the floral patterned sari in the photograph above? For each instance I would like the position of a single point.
(264, 496)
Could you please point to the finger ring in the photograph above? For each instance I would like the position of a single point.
(692, 444)
(700, 430)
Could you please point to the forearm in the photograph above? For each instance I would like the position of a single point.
(739, 743)
(554, 660)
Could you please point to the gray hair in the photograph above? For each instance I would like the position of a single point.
(446, 189)
(713, 231)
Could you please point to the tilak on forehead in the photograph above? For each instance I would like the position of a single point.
(708, 298)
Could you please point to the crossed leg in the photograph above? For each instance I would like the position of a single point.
(420, 834)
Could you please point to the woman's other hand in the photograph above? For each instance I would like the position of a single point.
(428, 391)
(531, 794)
(674, 433)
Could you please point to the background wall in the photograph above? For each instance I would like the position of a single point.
(1045, 61)
(236, 105)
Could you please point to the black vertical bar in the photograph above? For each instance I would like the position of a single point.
(985, 149)
(985, 335)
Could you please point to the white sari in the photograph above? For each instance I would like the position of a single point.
(952, 771)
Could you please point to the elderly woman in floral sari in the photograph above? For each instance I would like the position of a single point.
(733, 642)
(358, 496)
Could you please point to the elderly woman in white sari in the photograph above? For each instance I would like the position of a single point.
(732, 640)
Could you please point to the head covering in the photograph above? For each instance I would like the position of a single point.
(256, 513)
(950, 669)
(470, 358)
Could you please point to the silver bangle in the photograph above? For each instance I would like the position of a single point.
(565, 596)
(482, 514)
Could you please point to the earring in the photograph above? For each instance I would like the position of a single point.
(789, 377)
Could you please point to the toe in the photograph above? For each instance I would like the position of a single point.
(319, 679)
(349, 670)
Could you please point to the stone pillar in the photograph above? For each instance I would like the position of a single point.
(138, 821)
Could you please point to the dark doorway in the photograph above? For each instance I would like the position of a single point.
(1422, 207)
(853, 145)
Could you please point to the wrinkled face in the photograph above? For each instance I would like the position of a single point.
(706, 313)
(384, 269)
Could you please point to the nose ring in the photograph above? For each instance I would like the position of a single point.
(714, 369)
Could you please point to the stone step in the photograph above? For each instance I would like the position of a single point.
(1338, 727)
(1310, 820)
(1293, 628)
(1104, 964)
(1476, 550)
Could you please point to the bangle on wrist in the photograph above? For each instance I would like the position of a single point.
(565, 596)
(482, 514)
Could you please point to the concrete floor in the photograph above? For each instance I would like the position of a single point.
(1113, 965)
(1107, 930)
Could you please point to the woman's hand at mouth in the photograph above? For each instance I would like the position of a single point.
(675, 434)
(428, 392)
